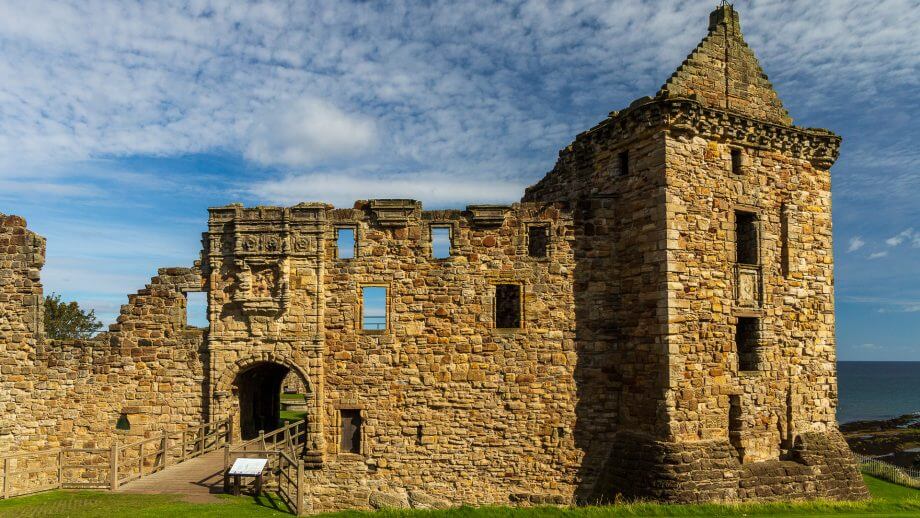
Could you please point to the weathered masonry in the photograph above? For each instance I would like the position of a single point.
(654, 319)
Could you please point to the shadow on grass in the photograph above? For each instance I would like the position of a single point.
(271, 501)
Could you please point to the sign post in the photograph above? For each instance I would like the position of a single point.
(247, 468)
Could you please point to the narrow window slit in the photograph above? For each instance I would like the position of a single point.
(737, 161)
(196, 309)
(508, 306)
(746, 239)
(440, 242)
(747, 334)
(623, 158)
(345, 243)
(374, 308)
(537, 240)
(784, 240)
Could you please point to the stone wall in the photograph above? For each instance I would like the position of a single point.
(148, 366)
(820, 466)
(450, 404)
(22, 254)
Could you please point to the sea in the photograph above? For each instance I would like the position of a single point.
(877, 390)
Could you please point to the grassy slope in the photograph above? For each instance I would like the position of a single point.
(889, 500)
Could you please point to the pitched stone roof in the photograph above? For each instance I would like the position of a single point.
(723, 72)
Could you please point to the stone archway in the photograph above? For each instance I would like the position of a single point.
(250, 391)
(258, 390)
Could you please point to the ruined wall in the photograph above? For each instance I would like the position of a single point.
(22, 254)
(148, 366)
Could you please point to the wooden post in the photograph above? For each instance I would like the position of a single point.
(226, 467)
(113, 467)
(202, 436)
(6, 478)
(229, 438)
(61, 468)
(262, 438)
(298, 502)
(140, 460)
(182, 453)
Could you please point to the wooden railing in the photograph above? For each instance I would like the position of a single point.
(107, 468)
(283, 448)
(290, 436)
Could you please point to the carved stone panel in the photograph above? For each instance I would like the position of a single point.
(748, 292)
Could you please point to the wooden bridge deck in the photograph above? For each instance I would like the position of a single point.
(199, 479)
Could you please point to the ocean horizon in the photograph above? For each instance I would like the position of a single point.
(876, 390)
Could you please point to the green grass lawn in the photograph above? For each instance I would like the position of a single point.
(289, 416)
(888, 500)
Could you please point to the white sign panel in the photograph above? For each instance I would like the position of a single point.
(248, 467)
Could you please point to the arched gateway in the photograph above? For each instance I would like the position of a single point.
(255, 389)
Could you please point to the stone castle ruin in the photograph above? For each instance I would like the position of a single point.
(654, 319)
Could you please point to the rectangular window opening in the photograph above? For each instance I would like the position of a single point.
(373, 308)
(351, 431)
(737, 161)
(508, 306)
(624, 162)
(746, 237)
(537, 240)
(747, 334)
(345, 243)
(196, 309)
(440, 242)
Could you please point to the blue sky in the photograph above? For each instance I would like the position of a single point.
(120, 123)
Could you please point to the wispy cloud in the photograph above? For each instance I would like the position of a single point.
(438, 84)
(433, 189)
(907, 236)
(855, 244)
(878, 255)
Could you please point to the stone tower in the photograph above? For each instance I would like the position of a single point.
(717, 308)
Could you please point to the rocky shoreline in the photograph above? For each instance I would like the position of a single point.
(893, 440)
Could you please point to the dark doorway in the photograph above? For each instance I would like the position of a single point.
(259, 391)
(351, 431)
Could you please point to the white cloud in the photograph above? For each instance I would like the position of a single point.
(443, 82)
(855, 244)
(908, 236)
(305, 132)
(878, 255)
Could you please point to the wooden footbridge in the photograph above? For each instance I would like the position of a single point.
(192, 463)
